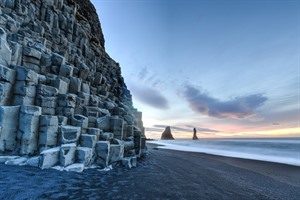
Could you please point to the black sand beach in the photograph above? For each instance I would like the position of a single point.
(163, 174)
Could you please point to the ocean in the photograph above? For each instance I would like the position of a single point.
(279, 150)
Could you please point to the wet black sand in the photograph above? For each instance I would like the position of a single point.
(163, 174)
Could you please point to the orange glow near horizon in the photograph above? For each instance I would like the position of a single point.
(285, 132)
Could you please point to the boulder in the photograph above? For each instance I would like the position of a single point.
(126, 162)
(67, 154)
(88, 140)
(9, 118)
(133, 161)
(76, 167)
(80, 120)
(129, 162)
(3, 159)
(33, 161)
(102, 153)
(49, 158)
(16, 161)
(116, 153)
(84, 155)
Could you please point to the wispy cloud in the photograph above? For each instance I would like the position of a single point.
(236, 108)
(148, 77)
(143, 73)
(149, 96)
(275, 124)
(152, 129)
(189, 128)
(203, 129)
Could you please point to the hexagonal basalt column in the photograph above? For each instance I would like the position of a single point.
(9, 120)
(29, 129)
(69, 134)
(5, 51)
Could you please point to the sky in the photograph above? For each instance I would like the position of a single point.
(228, 68)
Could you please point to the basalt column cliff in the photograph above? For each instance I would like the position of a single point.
(63, 101)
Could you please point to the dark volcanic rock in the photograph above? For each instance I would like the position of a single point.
(195, 134)
(87, 10)
(61, 95)
(167, 135)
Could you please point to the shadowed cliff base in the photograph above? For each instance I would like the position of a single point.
(165, 174)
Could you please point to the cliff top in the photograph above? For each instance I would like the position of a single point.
(88, 11)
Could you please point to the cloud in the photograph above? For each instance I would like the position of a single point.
(148, 77)
(236, 108)
(143, 73)
(275, 124)
(203, 129)
(189, 129)
(151, 129)
(149, 96)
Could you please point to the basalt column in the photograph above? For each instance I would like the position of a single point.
(63, 100)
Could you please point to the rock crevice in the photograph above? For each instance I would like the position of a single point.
(63, 100)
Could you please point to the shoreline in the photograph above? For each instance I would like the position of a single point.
(224, 153)
(162, 174)
(268, 168)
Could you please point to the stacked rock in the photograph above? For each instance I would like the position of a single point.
(63, 100)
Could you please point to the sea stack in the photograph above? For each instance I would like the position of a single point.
(167, 135)
(63, 100)
(195, 134)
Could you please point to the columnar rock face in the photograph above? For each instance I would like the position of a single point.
(63, 100)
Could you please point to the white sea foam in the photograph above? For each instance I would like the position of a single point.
(286, 151)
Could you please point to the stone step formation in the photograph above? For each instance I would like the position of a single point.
(63, 100)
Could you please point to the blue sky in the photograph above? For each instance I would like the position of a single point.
(228, 68)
